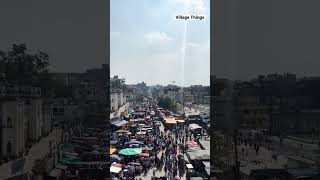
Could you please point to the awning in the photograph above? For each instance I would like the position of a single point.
(170, 121)
(207, 166)
(115, 158)
(60, 166)
(130, 151)
(122, 131)
(141, 133)
(55, 173)
(181, 121)
(194, 126)
(113, 142)
(189, 166)
(134, 142)
(196, 178)
(119, 123)
(205, 144)
(144, 155)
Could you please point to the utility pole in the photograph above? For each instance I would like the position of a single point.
(237, 163)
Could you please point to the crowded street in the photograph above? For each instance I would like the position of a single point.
(152, 143)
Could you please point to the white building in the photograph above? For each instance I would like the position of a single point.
(118, 102)
(188, 97)
(13, 123)
(34, 108)
(117, 99)
(47, 119)
(86, 91)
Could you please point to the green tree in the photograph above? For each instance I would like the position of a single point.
(117, 83)
(167, 103)
(17, 66)
(20, 67)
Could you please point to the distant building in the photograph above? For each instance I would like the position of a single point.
(188, 97)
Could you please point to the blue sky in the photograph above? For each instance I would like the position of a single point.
(147, 42)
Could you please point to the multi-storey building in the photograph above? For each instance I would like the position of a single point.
(13, 126)
(22, 118)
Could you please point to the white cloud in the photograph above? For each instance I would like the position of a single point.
(190, 6)
(157, 38)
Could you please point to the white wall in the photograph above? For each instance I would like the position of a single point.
(14, 134)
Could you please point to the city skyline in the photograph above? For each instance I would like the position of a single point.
(147, 41)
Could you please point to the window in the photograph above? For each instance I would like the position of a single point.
(9, 147)
(9, 122)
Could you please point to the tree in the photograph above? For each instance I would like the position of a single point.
(17, 66)
(167, 103)
(20, 67)
(117, 83)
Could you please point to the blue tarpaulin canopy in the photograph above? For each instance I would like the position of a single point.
(113, 142)
(134, 142)
(115, 158)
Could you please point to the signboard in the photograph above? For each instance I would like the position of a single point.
(17, 165)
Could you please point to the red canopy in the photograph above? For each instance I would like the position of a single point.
(144, 155)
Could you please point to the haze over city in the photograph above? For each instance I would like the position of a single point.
(148, 44)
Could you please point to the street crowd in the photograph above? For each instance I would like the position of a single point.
(162, 147)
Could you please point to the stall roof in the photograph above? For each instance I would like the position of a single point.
(207, 166)
(181, 121)
(189, 166)
(205, 144)
(55, 173)
(194, 126)
(199, 154)
(305, 172)
(196, 178)
(141, 132)
(115, 169)
(170, 121)
(119, 123)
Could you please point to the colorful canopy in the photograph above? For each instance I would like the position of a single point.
(194, 126)
(144, 155)
(170, 121)
(180, 120)
(114, 142)
(130, 151)
(112, 150)
(134, 142)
